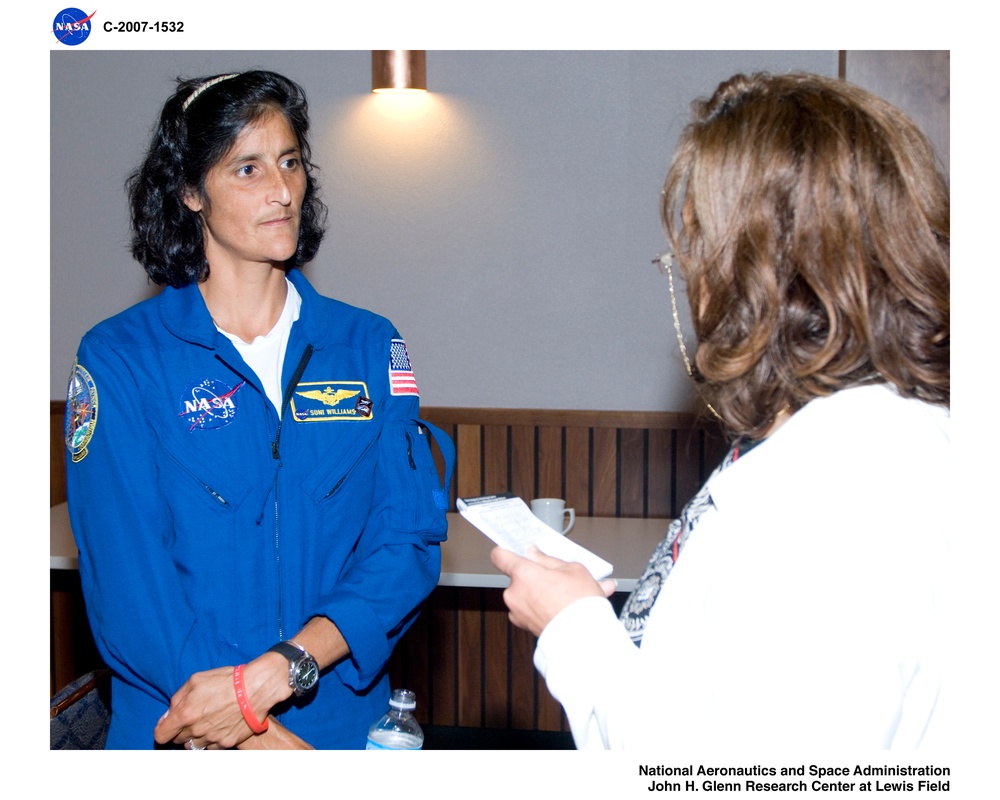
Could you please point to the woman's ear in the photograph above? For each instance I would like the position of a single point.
(192, 198)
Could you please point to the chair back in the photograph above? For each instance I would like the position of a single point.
(80, 712)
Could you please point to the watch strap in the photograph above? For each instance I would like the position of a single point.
(303, 672)
(289, 650)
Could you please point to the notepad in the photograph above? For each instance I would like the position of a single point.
(508, 522)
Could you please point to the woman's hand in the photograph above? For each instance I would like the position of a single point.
(276, 737)
(542, 586)
(204, 712)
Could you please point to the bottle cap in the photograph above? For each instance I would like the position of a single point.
(403, 699)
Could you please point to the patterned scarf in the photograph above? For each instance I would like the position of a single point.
(636, 610)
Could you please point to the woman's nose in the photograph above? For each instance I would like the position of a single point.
(280, 191)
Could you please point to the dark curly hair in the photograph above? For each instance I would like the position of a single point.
(812, 226)
(197, 126)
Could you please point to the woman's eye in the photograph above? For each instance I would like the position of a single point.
(246, 169)
(292, 163)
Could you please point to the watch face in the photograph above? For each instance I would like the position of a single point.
(306, 675)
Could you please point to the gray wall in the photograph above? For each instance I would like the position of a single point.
(505, 221)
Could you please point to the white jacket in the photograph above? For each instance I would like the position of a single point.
(808, 609)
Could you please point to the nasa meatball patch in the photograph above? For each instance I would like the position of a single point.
(208, 404)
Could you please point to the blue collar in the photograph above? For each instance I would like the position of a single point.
(183, 312)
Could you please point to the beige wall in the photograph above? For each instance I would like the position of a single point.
(505, 224)
(918, 81)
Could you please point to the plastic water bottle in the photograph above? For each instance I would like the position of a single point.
(397, 729)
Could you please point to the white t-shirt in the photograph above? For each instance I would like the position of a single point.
(265, 354)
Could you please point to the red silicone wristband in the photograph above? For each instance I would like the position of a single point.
(241, 698)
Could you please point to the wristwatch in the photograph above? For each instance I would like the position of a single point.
(303, 672)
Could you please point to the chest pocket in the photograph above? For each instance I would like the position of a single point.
(348, 471)
(202, 477)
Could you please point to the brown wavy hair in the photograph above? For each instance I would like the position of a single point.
(811, 224)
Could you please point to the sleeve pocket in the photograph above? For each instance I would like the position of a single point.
(424, 497)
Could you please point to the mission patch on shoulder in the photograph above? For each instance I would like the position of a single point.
(81, 412)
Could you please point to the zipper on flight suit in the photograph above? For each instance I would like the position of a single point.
(409, 452)
(306, 355)
(276, 454)
(347, 473)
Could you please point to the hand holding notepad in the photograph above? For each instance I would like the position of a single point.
(508, 522)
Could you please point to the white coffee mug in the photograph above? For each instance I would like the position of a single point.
(552, 511)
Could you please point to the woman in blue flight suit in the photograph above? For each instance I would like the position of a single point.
(254, 497)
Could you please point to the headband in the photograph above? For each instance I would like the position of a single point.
(206, 85)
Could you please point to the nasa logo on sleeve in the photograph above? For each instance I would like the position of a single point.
(72, 26)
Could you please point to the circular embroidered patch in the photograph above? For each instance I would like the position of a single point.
(208, 404)
(81, 412)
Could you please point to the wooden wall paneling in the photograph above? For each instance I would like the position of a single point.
(409, 666)
(71, 646)
(550, 712)
(578, 483)
(522, 697)
(57, 454)
(687, 467)
(496, 658)
(522, 467)
(632, 473)
(470, 662)
(715, 448)
(62, 664)
(468, 460)
(660, 473)
(495, 459)
(418, 667)
(550, 462)
(604, 478)
(443, 656)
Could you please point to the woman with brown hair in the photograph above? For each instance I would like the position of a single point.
(811, 226)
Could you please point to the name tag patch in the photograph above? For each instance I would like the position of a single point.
(328, 401)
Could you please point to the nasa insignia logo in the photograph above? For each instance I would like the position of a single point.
(81, 412)
(71, 26)
(208, 404)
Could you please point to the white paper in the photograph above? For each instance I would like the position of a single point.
(508, 522)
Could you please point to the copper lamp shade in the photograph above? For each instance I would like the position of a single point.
(399, 70)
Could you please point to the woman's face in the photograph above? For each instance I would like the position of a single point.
(253, 196)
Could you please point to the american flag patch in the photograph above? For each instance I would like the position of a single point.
(401, 380)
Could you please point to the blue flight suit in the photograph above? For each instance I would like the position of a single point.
(209, 528)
